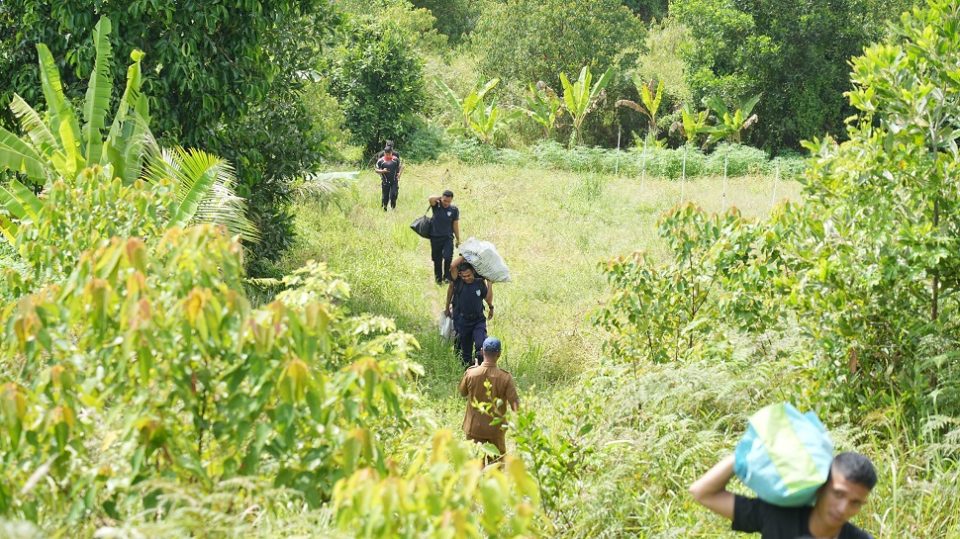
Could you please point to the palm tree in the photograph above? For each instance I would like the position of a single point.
(56, 147)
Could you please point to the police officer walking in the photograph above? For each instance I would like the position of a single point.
(493, 390)
(389, 168)
(465, 298)
(445, 225)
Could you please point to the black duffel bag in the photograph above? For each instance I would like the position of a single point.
(421, 225)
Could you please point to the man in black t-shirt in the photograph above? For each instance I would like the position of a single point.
(444, 227)
(389, 167)
(851, 479)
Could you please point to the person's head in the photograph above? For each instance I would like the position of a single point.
(388, 152)
(851, 479)
(447, 198)
(466, 272)
(491, 349)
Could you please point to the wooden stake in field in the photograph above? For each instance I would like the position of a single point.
(773, 192)
(643, 165)
(616, 166)
(726, 157)
(683, 173)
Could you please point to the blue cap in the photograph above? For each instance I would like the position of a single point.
(491, 344)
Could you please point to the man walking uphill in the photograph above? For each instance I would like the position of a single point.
(445, 225)
(848, 486)
(465, 297)
(493, 400)
(388, 167)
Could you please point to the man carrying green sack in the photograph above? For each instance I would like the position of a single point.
(780, 458)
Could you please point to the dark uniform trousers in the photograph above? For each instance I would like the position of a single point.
(389, 189)
(470, 336)
(441, 251)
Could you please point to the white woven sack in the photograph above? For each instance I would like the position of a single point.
(483, 256)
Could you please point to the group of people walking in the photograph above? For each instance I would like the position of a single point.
(469, 303)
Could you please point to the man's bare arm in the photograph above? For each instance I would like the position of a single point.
(446, 307)
(456, 231)
(434, 200)
(711, 491)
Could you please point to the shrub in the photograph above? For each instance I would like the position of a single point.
(740, 160)
(234, 391)
(669, 162)
(427, 142)
(496, 502)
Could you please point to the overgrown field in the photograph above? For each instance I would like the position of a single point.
(613, 446)
(553, 228)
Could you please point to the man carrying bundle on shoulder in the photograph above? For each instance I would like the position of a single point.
(848, 485)
(465, 298)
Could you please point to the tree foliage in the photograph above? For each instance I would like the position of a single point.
(795, 55)
(378, 80)
(867, 266)
(526, 41)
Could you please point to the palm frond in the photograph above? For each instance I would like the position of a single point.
(98, 92)
(204, 188)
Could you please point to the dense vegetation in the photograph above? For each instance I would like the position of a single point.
(704, 209)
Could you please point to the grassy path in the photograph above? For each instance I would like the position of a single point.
(553, 229)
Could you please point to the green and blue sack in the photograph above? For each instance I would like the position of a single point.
(784, 456)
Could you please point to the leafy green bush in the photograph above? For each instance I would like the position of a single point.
(739, 160)
(294, 390)
(674, 163)
(426, 142)
(443, 492)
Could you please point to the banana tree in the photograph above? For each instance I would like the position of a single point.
(581, 98)
(692, 123)
(731, 125)
(475, 116)
(544, 106)
(54, 146)
(648, 106)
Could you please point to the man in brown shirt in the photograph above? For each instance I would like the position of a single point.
(492, 401)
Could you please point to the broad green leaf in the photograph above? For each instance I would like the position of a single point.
(32, 124)
(18, 156)
(62, 117)
(98, 92)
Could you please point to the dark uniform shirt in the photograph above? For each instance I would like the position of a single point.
(443, 219)
(392, 166)
(773, 522)
(476, 424)
(468, 299)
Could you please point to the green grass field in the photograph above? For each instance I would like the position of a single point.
(553, 229)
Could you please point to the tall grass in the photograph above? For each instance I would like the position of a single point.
(653, 429)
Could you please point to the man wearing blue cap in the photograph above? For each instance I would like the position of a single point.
(484, 404)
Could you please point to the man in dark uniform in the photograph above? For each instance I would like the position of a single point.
(465, 298)
(388, 167)
(486, 404)
(851, 479)
(445, 225)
